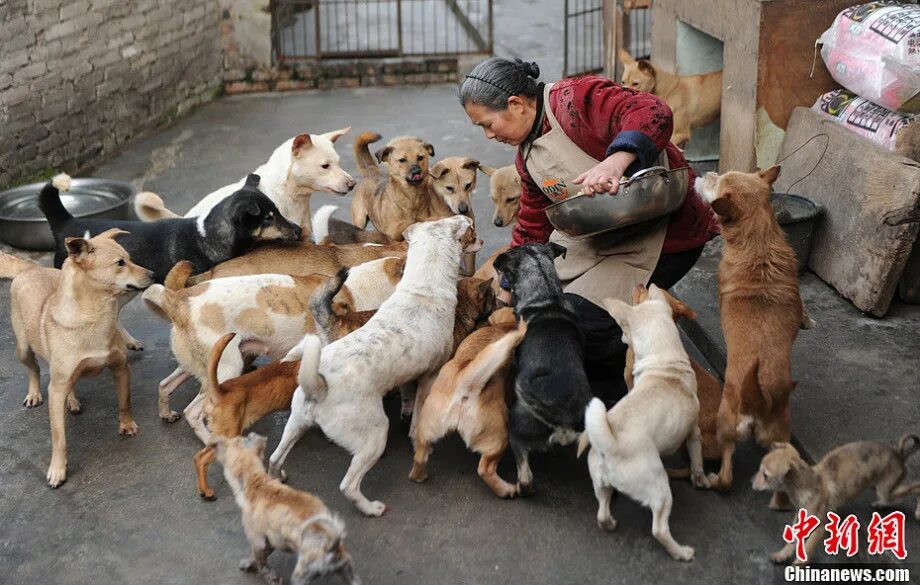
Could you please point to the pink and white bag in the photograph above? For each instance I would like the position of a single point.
(878, 124)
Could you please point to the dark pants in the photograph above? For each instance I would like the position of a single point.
(605, 351)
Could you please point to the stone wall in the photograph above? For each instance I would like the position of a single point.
(79, 79)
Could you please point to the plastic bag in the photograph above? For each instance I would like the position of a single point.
(874, 51)
(878, 124)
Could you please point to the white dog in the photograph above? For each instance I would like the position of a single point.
(300, 166)
(342, 385)
(657, 417)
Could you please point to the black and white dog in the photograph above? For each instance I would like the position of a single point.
(551, 385)
(229, 230)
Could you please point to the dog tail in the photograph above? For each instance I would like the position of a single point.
(597, 429)
(150, 207)
(321, 305)
(908, 445)
(11, 266)
(214, 359)
(178, 275)
(363, 157)
(330, 524)
(49, 201)
(162, 301)
(309, 378)
(321, 222)
(489, 361)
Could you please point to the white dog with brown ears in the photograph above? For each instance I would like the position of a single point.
(657, 417)
(301, 165)
(342, 385)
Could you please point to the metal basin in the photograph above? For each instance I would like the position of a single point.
(647, 195)
(23, 225)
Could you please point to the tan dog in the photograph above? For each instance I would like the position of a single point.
(505, 191)
(708, 388)
(839, 477)
(468, 396)
(450, 192)
(69, 318)
(761, 313)
(301, 260)
(277, 517)
(396, 200)
(695, 100)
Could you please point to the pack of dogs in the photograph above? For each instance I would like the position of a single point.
(348, 315)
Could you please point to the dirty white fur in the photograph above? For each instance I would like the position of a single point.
(321, 222)
(409, 337)
(202, 231)
(62, 182)
(656, 418)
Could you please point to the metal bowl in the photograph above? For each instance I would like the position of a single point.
(23, 225)
(649, 194)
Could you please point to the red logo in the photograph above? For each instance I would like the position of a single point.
(887, 534)
(555, 189)
(800, 531)
(842, 535)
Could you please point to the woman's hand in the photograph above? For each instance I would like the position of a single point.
(605, 176)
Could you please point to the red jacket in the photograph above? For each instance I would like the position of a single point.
(601, 117)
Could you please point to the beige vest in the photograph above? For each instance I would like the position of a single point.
(601, 266)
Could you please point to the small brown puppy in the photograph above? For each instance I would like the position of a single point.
(708, 388)
(839, 477)
(301, 260)
(69, 318)
(394, 201)
(450, 192)
(761, 313)
(277, 517)
(505, 191)
(695, 100)
(468, 396)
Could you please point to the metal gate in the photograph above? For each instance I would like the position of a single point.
(337, 29)
(583, 37)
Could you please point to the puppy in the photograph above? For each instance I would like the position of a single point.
(658, 416)
(761, 313)
(695, 100)
(708, 387)
(69, 318)
(303, 259)
(838, 478)
(505, 191)
(329, 230)
(551, 385)
(396, 200)
(268, 311)
(342, 384)
(298, 167)
(468, 396)
(277, 517)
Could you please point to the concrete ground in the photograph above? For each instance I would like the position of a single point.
(129, 510)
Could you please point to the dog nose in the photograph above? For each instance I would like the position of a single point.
(415, 169)
(298, 231)
(351, 183)
(464, 208)
(498, 222)
(150, 274)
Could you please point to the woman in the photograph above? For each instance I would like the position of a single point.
(584, 134)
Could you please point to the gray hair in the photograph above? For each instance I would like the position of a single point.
(494, 80)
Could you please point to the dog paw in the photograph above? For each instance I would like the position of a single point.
(33, 400)
(375, 509)
(248, 565)
(700, 481)
(134, 344)
(57, 475)
(129, 429)
(171, 417)
(73, 405)
(715, 482)
(683, 553)
(418, 475)
(208, 496)
(271, 577)
(525, 489)
(607, 524)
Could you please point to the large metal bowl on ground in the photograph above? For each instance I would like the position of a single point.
(23, 225)
(649, 194)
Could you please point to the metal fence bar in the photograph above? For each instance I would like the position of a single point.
(583, 37)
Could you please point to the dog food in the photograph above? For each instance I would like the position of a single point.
(872, 121)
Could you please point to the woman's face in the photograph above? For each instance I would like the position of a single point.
(508, 126)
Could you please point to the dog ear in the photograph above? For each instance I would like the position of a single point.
(725, 207)
(112, 233)
(438, 170)
(429, 148)
(78, 248)
(770, 175)
(409, 232)
(384, 153)
(619, 310)
(625, 57)
(647, 67)
(301, 141)
(336, 134)
(470, 163)
(678, 307)
(485, 287)
(257, 442)
(252, 181)
(489, 171)
(557, 250)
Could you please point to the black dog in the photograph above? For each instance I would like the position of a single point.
(551, 385)
(230, 229)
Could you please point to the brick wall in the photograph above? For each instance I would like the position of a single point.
(78, 79)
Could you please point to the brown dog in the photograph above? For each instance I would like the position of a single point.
(468, 396)
(708, 388)
(69, 318)
(839, 477)
(695, 100)
(394, 201)
(450, 192)
(761, 313)
(505, 191)
(276, 516)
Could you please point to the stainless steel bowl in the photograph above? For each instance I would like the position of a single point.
(23, 225)
(649, 194)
